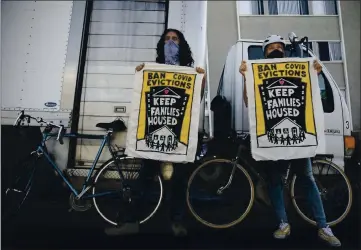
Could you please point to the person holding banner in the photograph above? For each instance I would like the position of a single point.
(172, 49)
(274, 47)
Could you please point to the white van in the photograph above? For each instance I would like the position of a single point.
(339, 144)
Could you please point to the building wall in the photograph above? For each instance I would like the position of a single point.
(350, 13)
(259, 26)
(221, 35)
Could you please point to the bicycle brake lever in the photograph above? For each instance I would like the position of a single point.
(19, 118)
(61, 134)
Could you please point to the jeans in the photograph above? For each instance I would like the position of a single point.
(303, 169)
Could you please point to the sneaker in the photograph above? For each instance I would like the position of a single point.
(326, 235)
(124, 229)
(179, 230)
(283, 231)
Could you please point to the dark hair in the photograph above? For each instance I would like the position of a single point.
(185, 53)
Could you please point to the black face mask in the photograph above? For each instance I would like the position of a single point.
(276, 54)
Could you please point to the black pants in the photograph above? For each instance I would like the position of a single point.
(131, 212)
(175, 191)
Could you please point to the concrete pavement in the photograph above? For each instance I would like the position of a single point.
(49, 225)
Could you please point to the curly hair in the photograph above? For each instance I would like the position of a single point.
(185, 53)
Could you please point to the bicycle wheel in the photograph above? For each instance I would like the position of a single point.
(108, 195)
(217, 190)
(18, 187)
(335, 190)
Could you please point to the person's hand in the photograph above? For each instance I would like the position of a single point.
(139, 67)
(243, 68)
(200, 70)
(317, 66)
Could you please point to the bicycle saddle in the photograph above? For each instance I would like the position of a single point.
(116, 126)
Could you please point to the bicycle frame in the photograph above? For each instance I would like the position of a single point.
(42, 150)
(252, 171)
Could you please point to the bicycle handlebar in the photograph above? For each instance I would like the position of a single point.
(22, 116)
(295, 42)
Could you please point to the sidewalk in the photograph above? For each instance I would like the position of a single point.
(49, 225)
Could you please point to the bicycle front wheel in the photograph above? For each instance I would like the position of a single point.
(220, 193)
(108, 194)
(18, 186)
(335, 191)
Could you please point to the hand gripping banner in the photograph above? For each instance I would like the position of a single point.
(163, 123)
(285, 109)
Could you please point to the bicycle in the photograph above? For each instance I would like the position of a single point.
(120, 177)
(238, 169)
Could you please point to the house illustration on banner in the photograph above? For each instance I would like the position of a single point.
(286, 127)
(163, 135)
(282, 83)
(166, 92)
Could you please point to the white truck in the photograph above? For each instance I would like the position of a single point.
(72, 62)
(338, 124)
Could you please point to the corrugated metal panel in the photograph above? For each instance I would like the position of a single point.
(121, 54)
(130, 5)
(111, 67)
(128, 16)
(123, 34)
(114, 41)
(104, 108)
(107, 95)
(136, 29)
(108, 81)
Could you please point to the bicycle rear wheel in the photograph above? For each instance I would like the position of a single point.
(18, 187)
(220, 193)
(335, 190)
(108, 193)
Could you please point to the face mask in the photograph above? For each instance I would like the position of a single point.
(171, 53)
(276, 54)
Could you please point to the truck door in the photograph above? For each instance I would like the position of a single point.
(123, 34)
(331, 101)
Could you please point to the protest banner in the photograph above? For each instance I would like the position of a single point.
(285, 109)
(163, 122)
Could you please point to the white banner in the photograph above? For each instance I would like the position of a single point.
(163, 123)
(285, 110)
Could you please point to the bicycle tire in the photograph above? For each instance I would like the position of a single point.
(25, 166)
(348, 184)
(234, 222)
(113, 222)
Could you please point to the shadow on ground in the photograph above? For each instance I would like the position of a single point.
(45, 223)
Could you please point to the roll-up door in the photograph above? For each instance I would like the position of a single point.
(122, 35)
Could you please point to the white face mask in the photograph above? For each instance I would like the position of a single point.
(171, 53)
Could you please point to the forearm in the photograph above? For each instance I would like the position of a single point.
(245, 97)
(203, 87)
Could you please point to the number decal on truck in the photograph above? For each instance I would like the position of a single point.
(347, 125)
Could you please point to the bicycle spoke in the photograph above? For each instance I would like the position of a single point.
(334, 190)
(121, 183)
(212, 207)
(19, 188)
